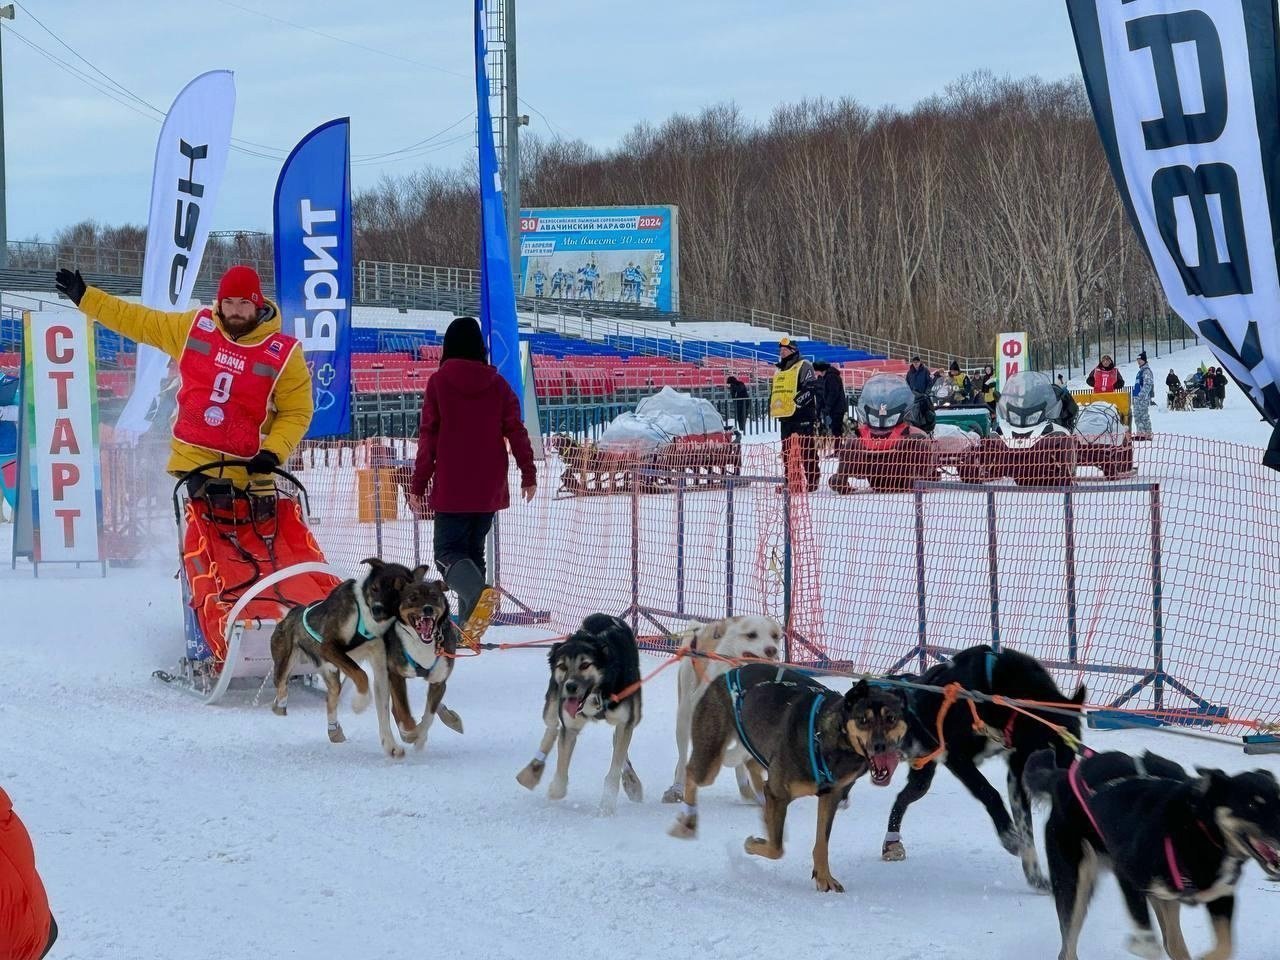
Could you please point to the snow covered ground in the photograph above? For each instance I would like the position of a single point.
(167, 829)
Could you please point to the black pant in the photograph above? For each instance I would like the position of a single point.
(805, 433)
(460, 536)
(740, 413)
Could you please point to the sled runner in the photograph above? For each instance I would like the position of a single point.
(246, 560)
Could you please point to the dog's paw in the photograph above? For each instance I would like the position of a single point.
(408, 734)
(558, 790)
(673, 794)
(394, 750)
(827, 884)
(893, 851)
(1144, 945)
(531, 774)
(1039, 882)
(280, 710)
(360, 701)
(631, 785)
(449, 718)
(759, 847)
(608, 805)
(685, 827)
(336, 735)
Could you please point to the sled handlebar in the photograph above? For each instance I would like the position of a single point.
(242, 464)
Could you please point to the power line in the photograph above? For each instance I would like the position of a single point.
(554, 129)
(116, 91)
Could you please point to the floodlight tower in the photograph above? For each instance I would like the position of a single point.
(500, 66)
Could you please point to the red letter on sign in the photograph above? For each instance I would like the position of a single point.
(52, 349)
(64, 437)
(60, 377)
(1012, 348)
(68, 526)
(64, 475)
(1010, 368)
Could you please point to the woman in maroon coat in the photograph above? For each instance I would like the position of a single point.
(469, 415)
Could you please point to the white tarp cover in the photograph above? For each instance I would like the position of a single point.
(660, 419)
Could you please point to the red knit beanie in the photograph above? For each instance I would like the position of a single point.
(242, 282)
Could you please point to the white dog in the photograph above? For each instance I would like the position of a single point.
(735, 638)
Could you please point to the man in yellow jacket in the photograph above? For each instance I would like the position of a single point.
(246, 390)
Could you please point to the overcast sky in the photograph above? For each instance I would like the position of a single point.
(588, 69)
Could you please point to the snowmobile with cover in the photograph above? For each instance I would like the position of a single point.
(890, 445)
(1035, 445)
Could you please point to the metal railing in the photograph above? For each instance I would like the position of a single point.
(378, 281)
(96, 258)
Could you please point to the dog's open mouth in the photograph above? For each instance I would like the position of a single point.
(572, 706)
(882, 767)
(1267, 856)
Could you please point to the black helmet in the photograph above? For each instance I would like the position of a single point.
(1028, 401)
(884, 401)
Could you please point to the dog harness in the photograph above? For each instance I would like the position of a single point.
(1007, 736)
(1083, 793)
(822, 775)
(361, 629)
(734, 683)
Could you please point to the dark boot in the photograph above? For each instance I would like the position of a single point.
(477, 601)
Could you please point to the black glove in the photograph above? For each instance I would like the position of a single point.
(70, 285)
(264, 461)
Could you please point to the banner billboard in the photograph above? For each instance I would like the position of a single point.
(498, 319)
(1011, 356)
(60, 503)
(313, 259)
(602, 254)
(191, 156)
(1186, 97)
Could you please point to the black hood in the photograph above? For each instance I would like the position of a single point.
(464, 341)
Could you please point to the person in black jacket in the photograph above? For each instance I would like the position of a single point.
(738, 394)
(919, 379)
(833, 402)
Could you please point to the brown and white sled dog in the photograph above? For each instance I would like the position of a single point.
(597, 663)
(422, 643)
(734, 638)
(337, 633)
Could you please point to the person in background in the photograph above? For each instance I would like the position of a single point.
(961, 385)
(919, 379)
(1070, 409)
(1144, 387)
(1105, 377)
(738, 394)
(833, 401)
(1217, 391)
(1062, 381)
(27, 927)
(793, 400)
(469, 415)
(1175, 389)
(990, 391)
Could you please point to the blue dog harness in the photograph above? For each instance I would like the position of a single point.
(822, 775)
(361, 629)
(736, 692)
